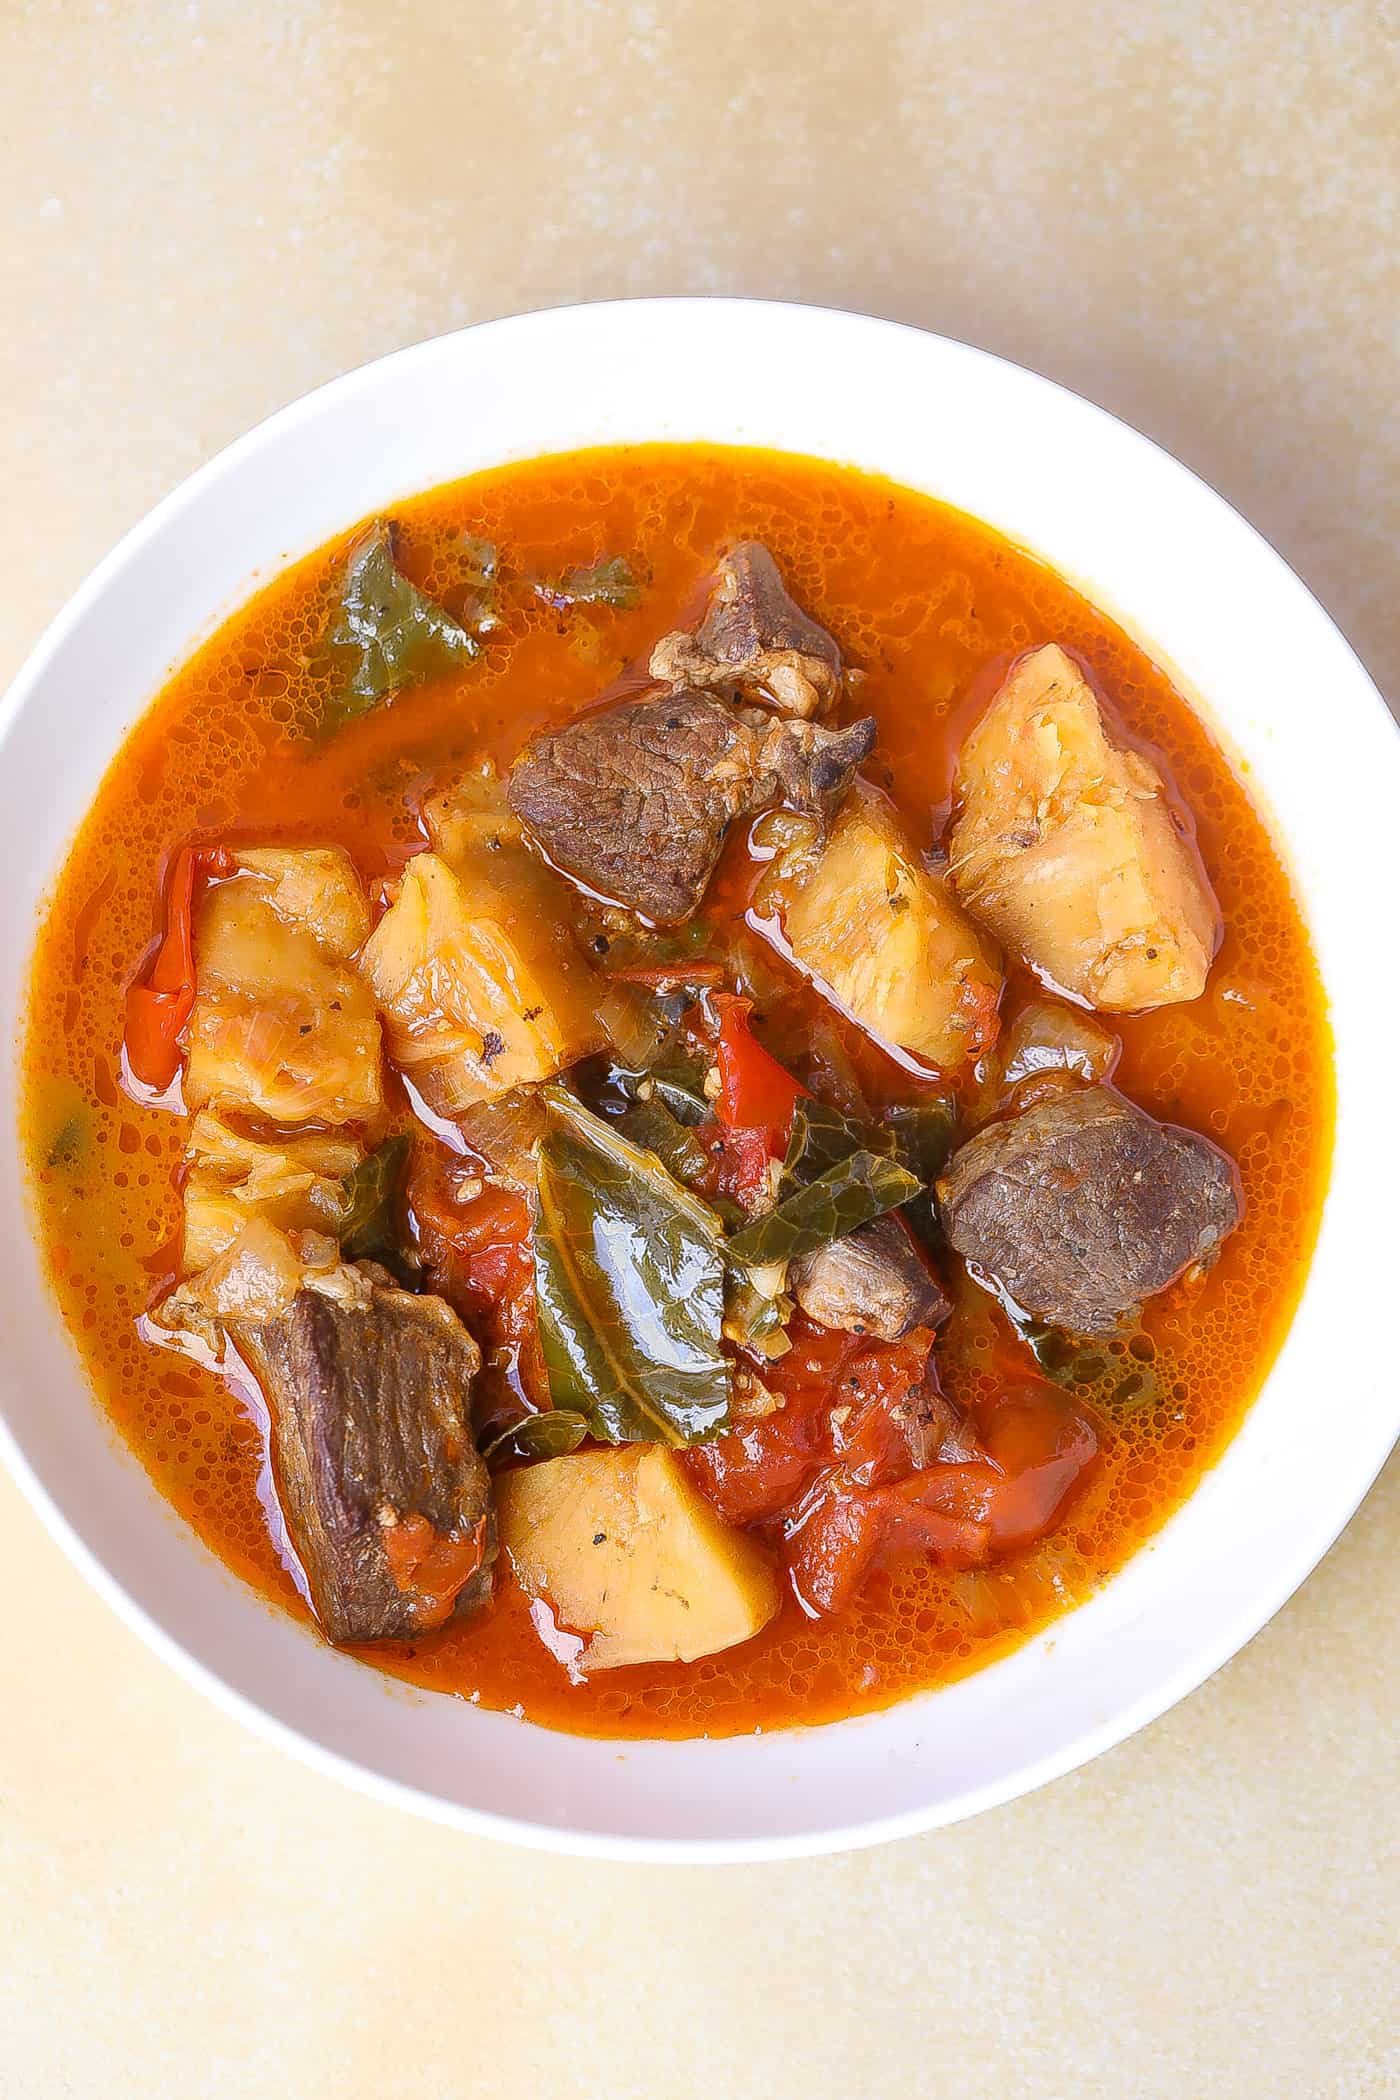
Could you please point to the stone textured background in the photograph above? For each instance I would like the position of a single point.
(1187, 212)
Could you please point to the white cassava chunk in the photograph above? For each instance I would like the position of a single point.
(1067, 847)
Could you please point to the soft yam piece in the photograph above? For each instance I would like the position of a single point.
(626, 1551)
(1067, 847)
(294, 1183)
(478, 980)
(886, 938)
(281, 1028)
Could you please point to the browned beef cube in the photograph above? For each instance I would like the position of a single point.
(386, 1500)
(874, 1281)
(635, 800)
(755, 637)
(1084, 1206)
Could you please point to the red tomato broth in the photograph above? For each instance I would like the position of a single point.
(929, 604)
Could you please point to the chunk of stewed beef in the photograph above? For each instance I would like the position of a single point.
(754, 636)
(874, 1281)
(386, 1499)
(635, 800)
(1084, 1206)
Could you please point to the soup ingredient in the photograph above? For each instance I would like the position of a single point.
(755, 1091)
(629, 1273)
(1067, 847)
(475, 1240)
(923, 1137)
(386, 634)
(821, 1137)
(1043, 1445)
(858, 1188)
(961, 1511)
(608, 582)
(651, 1126)
(552, 1434)
(885, 937)
(281, 1028)
(226, 745)
(871, 1281)
(754, 1318)
(295, 1182)
(852, 1418)
(314, 888)
(386, 1500)
(755, 637)
(628, 1553)
(813, 765)
(847, 1534)
(479, 982)
(371, 1199)
(504, 1133)
(635, 801)
(1046, 1037)
(1083, 1206)
(160, 1002)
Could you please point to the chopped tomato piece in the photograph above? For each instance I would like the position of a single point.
(756, 1471)
(847, 1470)
(431, 1568)
(160, 1002)
(846, 1403)
(739, 1162)
(480, 1254)
(890, 1413)
(1043, 1446)
(847, 1532)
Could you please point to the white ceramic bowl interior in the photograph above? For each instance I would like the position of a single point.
(1152, 545)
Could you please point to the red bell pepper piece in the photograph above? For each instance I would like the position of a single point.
(755, 1092)
(160, 1002)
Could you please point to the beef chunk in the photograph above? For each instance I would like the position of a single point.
(755, 637)
(635, 800)
(1084, 1206)
(385, 1497)
(815, 766)
(874, 1281)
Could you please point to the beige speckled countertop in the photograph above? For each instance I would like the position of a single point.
(1188, 213)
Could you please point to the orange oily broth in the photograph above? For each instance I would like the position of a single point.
(924, 600)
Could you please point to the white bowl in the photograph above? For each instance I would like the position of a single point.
(1153, 546)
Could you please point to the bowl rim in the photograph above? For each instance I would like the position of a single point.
(1234, 1629)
